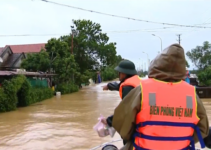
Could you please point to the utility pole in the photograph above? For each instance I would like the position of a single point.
(179, 39)
(72, 27)
(72, 44)
(74, 33)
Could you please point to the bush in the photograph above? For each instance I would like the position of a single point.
(6, 104)
(66, 88)
(24, 94)
(9, 99)
(38, 94)
(18, 92)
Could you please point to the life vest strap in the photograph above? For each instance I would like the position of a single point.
(162, 123)
(140, 148)
(159, 138)
(175, 124)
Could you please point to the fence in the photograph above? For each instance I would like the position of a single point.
(38, 82)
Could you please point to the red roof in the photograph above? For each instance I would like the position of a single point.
(27, 48)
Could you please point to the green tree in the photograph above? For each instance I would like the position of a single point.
(61, 61)
(109, 73)
(187, 64)
(36, 62)
(57, 58)
(92, 50)
(201, 57)
(205, 76)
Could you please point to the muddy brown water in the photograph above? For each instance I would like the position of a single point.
(64, 123)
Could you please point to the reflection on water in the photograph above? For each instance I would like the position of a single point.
(61, 124)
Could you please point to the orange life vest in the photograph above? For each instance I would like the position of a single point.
(134, 81)
(168, 117)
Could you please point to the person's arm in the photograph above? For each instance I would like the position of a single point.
(109, 120)
(124, 119)
(125, 91)
(113, 86)
(203, 124)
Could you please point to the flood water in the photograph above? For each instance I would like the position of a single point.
(64, 123)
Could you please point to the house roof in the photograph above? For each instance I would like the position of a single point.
(1, 50)
(27, 48)
(9, 73)
(11, 60)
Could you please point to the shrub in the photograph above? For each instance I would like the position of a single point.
(18, 92)
(24, 94)
(39, 94)
(66, 88)
(9, 99)
(6, 104)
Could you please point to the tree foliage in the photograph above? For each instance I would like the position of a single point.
(201, 58)
(61, 61)
(201, 55)
(92, 52)
(109, 73)
(205, 76)
(187, 64)
(36, 62)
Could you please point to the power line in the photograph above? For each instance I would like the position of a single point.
(138, 30)
(120, 31)
(206, 22)
(30, 35)
(123, 17)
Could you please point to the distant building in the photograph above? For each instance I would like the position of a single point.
(11, 56)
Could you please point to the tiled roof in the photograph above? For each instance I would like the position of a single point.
(11, 60)
(27, 48)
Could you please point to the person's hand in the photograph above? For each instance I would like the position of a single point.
(105, 87)
(104, 121)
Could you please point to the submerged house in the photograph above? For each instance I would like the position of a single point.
(11, 56)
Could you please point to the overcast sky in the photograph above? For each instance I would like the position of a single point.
(37, 17)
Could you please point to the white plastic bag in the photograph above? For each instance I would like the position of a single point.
(102, 129)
